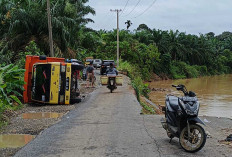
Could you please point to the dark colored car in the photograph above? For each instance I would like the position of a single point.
(105, 64)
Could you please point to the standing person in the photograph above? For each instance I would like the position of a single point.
(90, 75)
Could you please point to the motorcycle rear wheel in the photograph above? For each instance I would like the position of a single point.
(196, 141)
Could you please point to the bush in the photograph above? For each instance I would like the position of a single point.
(31, 49)
(136, 79)
(191, 72)
(11, 86)
(176, 72)
(6, 58)
(148, 108)
(132, 71)
(181, 70)
(202, 70)
(9, 57)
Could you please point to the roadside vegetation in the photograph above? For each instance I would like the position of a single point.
(169, 54)
(138, 84)
(11, 87)
(144, 51)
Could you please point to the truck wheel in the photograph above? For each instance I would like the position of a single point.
(75, 100)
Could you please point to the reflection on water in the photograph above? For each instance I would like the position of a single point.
(214, 93)
(41, 115)
(14, 140)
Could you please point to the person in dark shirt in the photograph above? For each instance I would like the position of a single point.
(90, 75)
(112, 72)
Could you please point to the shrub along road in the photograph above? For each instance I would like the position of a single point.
(110, 124)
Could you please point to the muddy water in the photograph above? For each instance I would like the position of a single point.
(41, 115)
(14, 140)
(214, 93)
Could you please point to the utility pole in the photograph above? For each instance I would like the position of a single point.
(50, 29)
(117, 10)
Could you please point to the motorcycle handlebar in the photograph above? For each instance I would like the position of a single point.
(182, 88)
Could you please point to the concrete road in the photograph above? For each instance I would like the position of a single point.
(109, 125)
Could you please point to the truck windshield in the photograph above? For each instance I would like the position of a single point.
(41, 82)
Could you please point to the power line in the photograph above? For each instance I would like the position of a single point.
(110, 19)
(124, 7)
(133, 8)
(146, 9)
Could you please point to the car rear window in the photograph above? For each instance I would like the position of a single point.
(108, 61)
(97, 60)
(89, 60)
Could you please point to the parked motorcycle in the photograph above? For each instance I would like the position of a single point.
(181, 118)
(111, 83)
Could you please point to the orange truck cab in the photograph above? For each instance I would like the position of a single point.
(51, 80)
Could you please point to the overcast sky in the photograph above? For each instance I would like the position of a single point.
(190, 16)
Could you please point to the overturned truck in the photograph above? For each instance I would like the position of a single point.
(51, 80)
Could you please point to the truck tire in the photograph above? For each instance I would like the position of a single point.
(75, 100)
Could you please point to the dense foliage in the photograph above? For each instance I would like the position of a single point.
(11, 86)
(23, 21)
(170, 54)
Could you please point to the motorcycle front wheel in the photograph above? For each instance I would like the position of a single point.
(195, 141)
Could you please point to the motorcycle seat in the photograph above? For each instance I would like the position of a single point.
(174, 102)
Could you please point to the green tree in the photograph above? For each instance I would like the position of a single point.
(23, 21)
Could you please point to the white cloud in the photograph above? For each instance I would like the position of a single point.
(190, 16)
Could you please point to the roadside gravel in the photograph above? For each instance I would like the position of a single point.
(18, 125)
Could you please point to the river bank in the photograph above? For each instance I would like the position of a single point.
(213, 92)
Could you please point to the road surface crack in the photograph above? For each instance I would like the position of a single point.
(158, 149)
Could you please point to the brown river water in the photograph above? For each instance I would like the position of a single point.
(213, 92)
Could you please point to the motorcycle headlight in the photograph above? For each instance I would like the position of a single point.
(192, 109)
(189, 110)
(192, 113)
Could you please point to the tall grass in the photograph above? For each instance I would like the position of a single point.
(136, 78)
(11, 86)
(136, 81)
